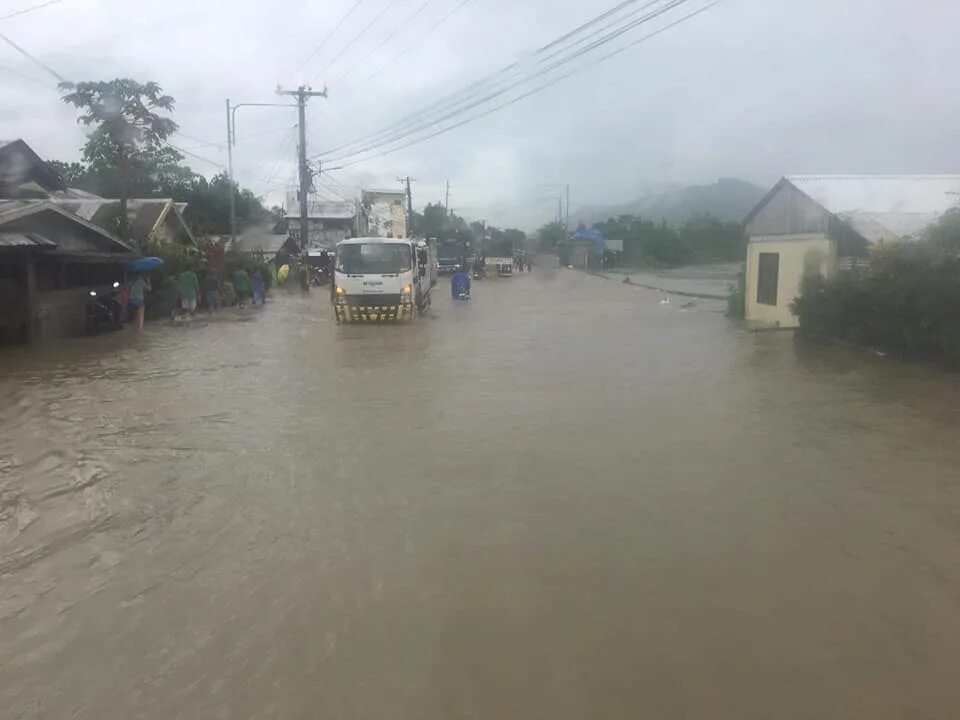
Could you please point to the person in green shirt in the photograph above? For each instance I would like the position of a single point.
(241, 285)
(189, 288)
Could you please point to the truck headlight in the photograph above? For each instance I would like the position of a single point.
(341, 298)
(406, 294)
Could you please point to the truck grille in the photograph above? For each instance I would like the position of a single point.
(374, 300)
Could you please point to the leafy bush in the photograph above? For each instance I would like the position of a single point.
(737, 299)
(908, 302)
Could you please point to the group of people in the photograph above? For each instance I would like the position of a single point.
(190, 288)
(246, 286)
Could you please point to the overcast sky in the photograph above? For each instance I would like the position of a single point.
(753, 89)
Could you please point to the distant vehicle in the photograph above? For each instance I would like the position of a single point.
(451, 256)
(503, 266)
(378, 278)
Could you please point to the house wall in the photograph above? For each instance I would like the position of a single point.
(799, 254)
(323, 233)
(61, 313)
(13, 298)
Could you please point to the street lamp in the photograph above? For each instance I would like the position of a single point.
(231, 141)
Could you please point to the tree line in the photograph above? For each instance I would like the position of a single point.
(702, 239)
(436, 221)
(127, 156)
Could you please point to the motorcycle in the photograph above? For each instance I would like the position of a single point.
(464, 294)
(104, 310)
(319, 276)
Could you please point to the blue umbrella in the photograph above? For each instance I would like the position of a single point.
(145, 263)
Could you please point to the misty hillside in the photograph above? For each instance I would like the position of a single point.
(726, 199)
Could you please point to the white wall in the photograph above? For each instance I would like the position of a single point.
(799, 254)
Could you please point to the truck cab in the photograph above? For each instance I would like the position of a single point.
(377, 278)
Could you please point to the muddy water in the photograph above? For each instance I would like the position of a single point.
(563, 499)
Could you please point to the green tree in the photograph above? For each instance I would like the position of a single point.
(945, 233)
(129, 133)
(73, 174)
(550, 236)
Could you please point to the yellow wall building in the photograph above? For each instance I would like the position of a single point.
(817, 224)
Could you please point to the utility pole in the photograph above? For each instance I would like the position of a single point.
(407, 180)
(231, 141)
(233, 201)
(302, 94)
(446, 199)
(566, 225)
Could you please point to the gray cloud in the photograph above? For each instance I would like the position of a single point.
(752, 88)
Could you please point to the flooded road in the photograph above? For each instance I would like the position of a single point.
(563, 499)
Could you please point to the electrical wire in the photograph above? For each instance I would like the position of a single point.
(194, 155)
(31, 58)
(538, 89)
(28, 78)
(329, 35)
(388, 37)
(30, 9)
(409, 47)
(470, 90)
(353, 42)
(572, 54)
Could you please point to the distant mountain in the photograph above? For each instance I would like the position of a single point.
(728, 199)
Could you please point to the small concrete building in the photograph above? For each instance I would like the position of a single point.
(329, 221)
(383, 214)
(819, 224)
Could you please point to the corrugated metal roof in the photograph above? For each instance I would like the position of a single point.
(13, 205)
(13, 239)
(883, 207)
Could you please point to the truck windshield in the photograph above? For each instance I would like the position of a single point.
(373, 258)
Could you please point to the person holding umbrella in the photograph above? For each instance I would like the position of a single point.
(139, 286)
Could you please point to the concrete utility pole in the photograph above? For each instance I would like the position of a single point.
(302, 93)
(566, 225)
(407, 180)
(446, 198)
(233, 201)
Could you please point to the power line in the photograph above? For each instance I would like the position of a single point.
(411, 46)
(359, 35)
(389, 36)
(194, 155)
(464, 94)
(30, 9)
(538, 89)
(329, 35)
(28, 78)
(397, 134)
(33, 59)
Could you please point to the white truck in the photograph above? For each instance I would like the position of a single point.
(378, 278)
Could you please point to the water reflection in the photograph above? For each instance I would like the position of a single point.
(561, 499)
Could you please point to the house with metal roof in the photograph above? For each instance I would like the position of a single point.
(149, 220)
(25, 175)
(822, 223)
(50, 259)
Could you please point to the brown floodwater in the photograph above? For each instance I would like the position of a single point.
(563, 499)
